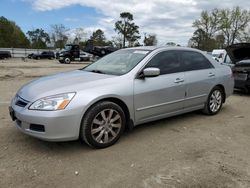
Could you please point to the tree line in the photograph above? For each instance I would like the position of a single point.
(127, 35)
(220, 28)
(214, 29)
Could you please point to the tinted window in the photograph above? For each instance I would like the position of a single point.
(194, 61)
(168, 62)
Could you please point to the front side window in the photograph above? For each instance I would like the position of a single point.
(168, 62)
(194, 61)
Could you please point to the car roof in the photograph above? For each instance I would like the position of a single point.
(152, 48)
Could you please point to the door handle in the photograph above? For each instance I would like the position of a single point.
(211, 74)
(179, 80)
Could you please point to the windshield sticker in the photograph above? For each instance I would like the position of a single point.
(140, 52)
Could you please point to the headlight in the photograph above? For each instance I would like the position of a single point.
(52, 103)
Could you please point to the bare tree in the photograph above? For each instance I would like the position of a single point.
(59, 36)
(233, 23)
(80, 34)
(117, 41)
(150, 40)
(208, 22)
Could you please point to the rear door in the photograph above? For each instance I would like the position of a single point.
(200, 78)
(160, 96)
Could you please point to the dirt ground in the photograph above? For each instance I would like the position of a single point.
(191, 150)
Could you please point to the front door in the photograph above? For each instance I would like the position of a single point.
(163, 95)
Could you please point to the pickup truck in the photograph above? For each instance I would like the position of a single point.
(72, 52)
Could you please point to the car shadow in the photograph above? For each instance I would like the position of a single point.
(243, 93)
(175, 124)
(171, 123)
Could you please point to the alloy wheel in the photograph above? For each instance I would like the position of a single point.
(215, 101)
(106, 126)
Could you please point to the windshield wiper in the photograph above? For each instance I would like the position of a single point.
(97, 71)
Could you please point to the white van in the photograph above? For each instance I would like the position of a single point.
(219, 54)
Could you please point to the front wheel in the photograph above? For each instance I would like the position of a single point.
(214, 101)
(102, 125)
(67, 60)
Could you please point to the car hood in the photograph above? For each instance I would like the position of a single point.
(72, 81)
(239, 52)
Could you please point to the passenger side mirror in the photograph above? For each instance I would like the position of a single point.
(150, 72)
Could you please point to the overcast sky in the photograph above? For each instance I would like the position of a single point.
(170, 20)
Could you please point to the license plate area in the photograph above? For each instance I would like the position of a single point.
(240, 76)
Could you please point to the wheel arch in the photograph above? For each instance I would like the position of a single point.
(129, 124)
(223, 91)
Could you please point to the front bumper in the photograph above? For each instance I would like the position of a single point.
(63, 125)
(239, 84)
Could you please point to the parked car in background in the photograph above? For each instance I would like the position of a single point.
(84, 56)
(123, 89)
(240, 56)
(44, 55)
(219, 54)
(4, 54)
(30, 56)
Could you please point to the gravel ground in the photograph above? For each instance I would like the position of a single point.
(191, 150)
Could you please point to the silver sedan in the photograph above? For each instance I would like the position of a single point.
(124, 89)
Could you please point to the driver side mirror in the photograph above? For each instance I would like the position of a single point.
(150, 72)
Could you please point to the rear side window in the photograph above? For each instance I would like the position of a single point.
(168, 62)
(194, 61)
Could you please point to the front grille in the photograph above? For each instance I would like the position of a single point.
(21, 102)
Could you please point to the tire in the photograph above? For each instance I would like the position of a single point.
(214, 101)
(103, 52)
(67, 60)
(102, 125)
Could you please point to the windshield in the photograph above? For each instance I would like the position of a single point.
(67, 47)
(118, 63)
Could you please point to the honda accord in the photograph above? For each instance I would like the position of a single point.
(123, 89)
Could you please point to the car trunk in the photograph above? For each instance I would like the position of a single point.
(239, 52)
(240, 56)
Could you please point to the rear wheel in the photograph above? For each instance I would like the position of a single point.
(214, 101)
(103, 124)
